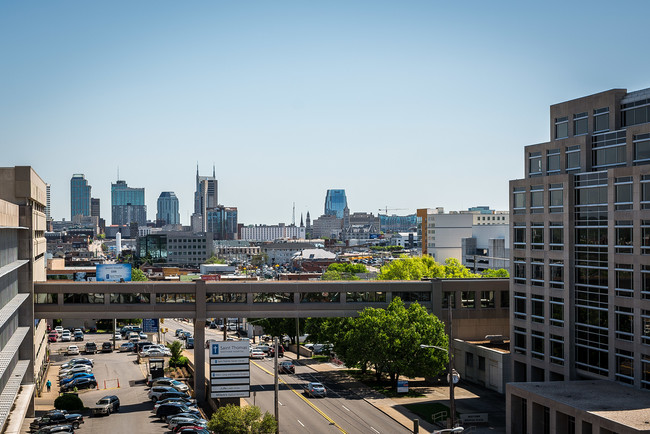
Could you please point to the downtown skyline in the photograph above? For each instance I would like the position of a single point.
(403, 106)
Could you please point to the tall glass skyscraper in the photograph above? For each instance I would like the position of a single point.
(127, 204)
(79, 196)
(168, 208)
(335, 203)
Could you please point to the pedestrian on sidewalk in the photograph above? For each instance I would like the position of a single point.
(49, 385)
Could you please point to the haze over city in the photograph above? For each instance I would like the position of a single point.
(404, 105)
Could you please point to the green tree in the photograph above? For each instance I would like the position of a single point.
(137, 275)
(69, 402)
(501, 272)
(233, 419)
(176, 348)
(279, 326)
(420, 267)
(215, 260)
(453, 269)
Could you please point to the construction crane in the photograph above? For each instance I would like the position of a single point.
(392, 209)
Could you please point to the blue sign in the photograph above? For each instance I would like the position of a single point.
(150, 325)
(215, 349)
(113, 272)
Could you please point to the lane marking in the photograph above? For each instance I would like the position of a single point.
(345, 407)
(300, 395)
(374, 430)
(303, 425)
(280, 403)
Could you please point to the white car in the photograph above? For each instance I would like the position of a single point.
(72, 350)
(170, 382)
(75, 370)
(257, 354)
(59, 330)
(118, 336)
(66, 336)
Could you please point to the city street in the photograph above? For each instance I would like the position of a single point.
(341, 410)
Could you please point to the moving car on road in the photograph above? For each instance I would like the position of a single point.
(287, 367)
(315, 389)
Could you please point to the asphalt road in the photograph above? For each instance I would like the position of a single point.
(341, 411)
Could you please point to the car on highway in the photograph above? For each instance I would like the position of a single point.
(280, 351)
(107, 347)
(263, 347)
(58, 329)
(257, 354)
(72, 350)
(126, 347)
(53, 418)
(178, 332)
(80, 383)
(287, 367)
(106, 405)
(315, 389)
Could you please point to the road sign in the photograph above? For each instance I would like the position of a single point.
(150, 325)
(229, 369)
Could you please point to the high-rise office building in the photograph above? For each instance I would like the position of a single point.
(168, 208)
(580, 252)
(23, 346)
(335, 203)
(94, 207)
(79, 196)
(48, 206)
(206, 193)
(127, 205)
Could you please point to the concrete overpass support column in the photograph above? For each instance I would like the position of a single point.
(199, 342)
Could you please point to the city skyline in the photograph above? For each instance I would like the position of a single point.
(394, 104)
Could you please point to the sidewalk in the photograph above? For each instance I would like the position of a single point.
(45, 402)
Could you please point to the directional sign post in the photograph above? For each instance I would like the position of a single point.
(229, 369)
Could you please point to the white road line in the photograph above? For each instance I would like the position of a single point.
(303, 425)
(345, 407)
(280, 403)
(374, 430)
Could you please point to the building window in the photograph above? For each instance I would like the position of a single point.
(637, 112)
(645, 237)
(561, 127)
(641, 148)
(505, 299)
(468, 299)
(448, 297)
(556, 343)
(609, 149)
(537, 273)
(537, 199)
(535, 163)
(537, 344)
(520, 305)
(519, 201)
(555, 198)
(481, 363)
(572, 158)
(601, 119)
(645, 192)
(645, 327)
(623, 186)
(487, 299)
(624, 323)
(556, 314)
(556, 232)
(537, 236)
(556, 273)
(553, 161)
(519, 236)
(520, 340)
(645, 282)
(520, 270)
(537, 308)
(624, 279)
(624, 366)
(623, 236)
(580, 124)
(645, 371)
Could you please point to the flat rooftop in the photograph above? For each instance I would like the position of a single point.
(609, 400)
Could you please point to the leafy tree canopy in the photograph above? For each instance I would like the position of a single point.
(419, 267)
(501, 272)
(137, 275)
(233, 419)
(215, 260)
(347, 267)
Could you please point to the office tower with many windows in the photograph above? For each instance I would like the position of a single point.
(79, 196)
(168, 208)
(335, 203)
(127, 205)
(580, 245)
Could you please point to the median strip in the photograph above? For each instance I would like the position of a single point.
(300, 395)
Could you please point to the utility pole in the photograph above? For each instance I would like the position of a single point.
(297, 338)
(277, 384)
(452, 402)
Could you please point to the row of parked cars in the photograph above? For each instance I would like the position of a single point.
(174, 406)
(65, 335)
(77, 373)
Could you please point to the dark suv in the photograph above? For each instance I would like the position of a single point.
(107, 347)
(287, 368)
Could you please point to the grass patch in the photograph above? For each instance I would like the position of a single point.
(382, 386)
(321, 358)
(428, 410)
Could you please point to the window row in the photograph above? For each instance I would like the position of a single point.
(538, 349)
(538, 310)
(537, 273)
(554, 162)
(555, 202)
(580, 123)
(537, 235)
(468, 299)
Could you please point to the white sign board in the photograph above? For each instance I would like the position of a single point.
(229, 349)
(215, 368)
(243, 394)
(229, 369)
(230, 361)
(228, 374)
(402, 386)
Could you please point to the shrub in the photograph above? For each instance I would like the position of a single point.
(181, 362)
(69, 402)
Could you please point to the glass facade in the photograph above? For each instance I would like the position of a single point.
(335, 203)
(168, 208)
(127, 205)
(79, 196)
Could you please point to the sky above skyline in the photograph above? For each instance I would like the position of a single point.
(402, 104)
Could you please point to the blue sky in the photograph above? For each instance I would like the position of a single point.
(403, 104)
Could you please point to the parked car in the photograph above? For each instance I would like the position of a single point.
(58, 429)
(117, 336)
(188, 415)
(91, 348)
(53, 418)
(66, 336)
(78, 361)
(287, 367)
(177, 421)
(257, 354)
(315, 389)
(66, 380)
(52, 336)
(80, 383)
(72, 350)
(155, 392)
(263, 347)
(78, 336)
(106, 405)
(172, 408)
(170, 382)
(107, 347)
(182, 424)
(127, 346)
(75, 370)
(193, 430)
(190, 402)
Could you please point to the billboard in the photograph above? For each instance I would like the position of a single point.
(113, 272)
(150, 325)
